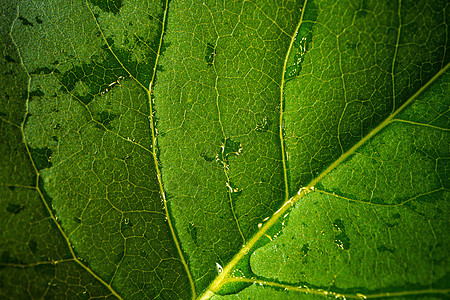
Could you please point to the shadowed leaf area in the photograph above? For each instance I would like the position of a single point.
(224, 149)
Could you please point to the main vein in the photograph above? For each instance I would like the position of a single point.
(321, 292)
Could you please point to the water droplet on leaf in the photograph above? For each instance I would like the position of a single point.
(219, 268)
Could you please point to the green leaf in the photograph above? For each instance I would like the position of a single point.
(245, 149)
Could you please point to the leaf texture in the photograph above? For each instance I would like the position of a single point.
(224, 149)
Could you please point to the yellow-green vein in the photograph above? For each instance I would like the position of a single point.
(155, 157)
(283, 81)
(395, 54)
(321, 292)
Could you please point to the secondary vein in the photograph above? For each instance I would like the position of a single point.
(283, 81)
(155, 157)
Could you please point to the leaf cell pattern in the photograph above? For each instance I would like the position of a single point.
(224, 149)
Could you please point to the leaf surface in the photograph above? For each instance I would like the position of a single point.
(245, 149)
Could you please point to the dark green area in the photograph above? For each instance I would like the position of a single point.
(25, 22)
(45, 71)
(6, 258)
(10, 59)
(41, 157)
(105, 69)
(383, 248)
(15, 208)
(210, 54)
(29, 239)
(105, 117)
(97, 76)
(208, 158)
(32, 238)
(341, 238)
(36, 93)
(305, 248)
(193, 232)
(112, 6)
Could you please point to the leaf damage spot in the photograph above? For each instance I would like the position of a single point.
(302, 39)
(210, 54)
(42, 157)
(234, 191)
(113, 85)
(192, 231)
(14, 208)
(341, 238)
(227, 149)
(263, 126)
(25, 22)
